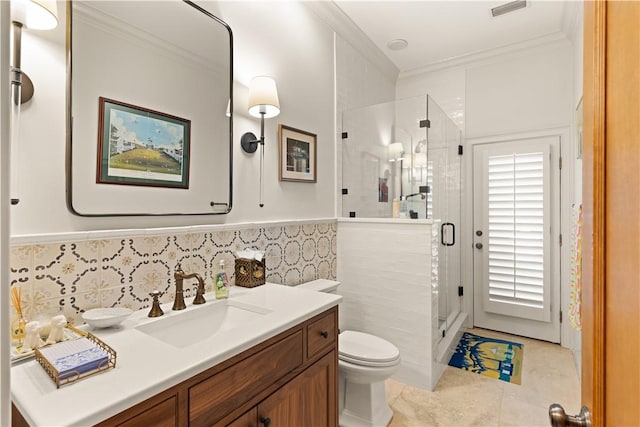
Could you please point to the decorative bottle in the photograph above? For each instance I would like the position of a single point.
(222, 283)
(395, 208)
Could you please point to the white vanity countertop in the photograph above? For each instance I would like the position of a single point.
(146, 366)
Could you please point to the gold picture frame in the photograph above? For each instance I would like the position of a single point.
(297, 155)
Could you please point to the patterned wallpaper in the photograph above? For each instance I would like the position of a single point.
(76, 275)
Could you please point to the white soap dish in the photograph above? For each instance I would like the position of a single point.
(105, 317)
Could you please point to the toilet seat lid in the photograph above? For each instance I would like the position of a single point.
(361, 347)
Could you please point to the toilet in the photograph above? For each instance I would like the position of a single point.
(365, 361)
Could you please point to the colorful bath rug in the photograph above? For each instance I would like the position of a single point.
(491, 357)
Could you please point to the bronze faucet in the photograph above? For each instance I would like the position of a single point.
(178, 302)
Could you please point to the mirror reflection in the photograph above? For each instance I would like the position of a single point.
(150, 89)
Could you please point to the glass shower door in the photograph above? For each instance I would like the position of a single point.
(443, 204)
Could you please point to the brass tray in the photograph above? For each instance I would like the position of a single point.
(74, 375)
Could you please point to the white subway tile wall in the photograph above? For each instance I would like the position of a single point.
(390, 289)
(79, 272)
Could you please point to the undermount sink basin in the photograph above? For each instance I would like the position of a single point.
(182, 329)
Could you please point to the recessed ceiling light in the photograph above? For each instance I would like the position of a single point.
(508, 7)
(397, 44)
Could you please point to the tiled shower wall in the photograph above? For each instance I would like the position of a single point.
(110, 269)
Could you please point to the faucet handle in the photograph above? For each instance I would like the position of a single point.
(156, 311)
(199, 299)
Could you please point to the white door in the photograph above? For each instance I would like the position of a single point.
(516, 237)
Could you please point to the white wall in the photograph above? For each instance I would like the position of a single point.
(513, 92)
(526, 91)
(303, 67)
(359, 83)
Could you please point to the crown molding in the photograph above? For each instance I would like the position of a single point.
(335, 18)
(463, 60)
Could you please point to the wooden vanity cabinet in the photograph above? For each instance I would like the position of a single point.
(288, 380)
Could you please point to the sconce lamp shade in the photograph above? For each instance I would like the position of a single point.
(396, 151)
(263, 97)
(35, 14)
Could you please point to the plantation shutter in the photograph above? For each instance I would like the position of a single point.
(518, 234)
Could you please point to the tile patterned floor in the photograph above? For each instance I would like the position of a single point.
(466, 399)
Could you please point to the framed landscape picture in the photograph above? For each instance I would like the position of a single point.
(297, 154)
(138, 146)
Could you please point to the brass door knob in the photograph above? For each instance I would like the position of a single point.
(559, 418)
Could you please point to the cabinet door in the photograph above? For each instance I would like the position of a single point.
(308, 400)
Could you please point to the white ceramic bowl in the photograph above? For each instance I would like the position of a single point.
(105, 317)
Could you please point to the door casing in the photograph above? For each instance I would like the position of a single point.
(611, 211)
(567, 190)
(546, 329)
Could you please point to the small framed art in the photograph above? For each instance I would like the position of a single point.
(297, 154)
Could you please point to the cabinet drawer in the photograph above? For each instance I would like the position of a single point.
(321, 334)
(164, 414)
(216, 396)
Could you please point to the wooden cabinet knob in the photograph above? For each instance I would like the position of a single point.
(324, 334)
(266, 422)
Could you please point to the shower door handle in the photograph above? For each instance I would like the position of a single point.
(453, 234)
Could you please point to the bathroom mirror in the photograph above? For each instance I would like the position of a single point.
(149, 96)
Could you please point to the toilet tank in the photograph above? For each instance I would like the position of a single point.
(321, 285)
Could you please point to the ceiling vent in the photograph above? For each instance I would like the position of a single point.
(508, 7)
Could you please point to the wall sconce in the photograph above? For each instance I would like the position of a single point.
(35, 15)
(263, 103)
